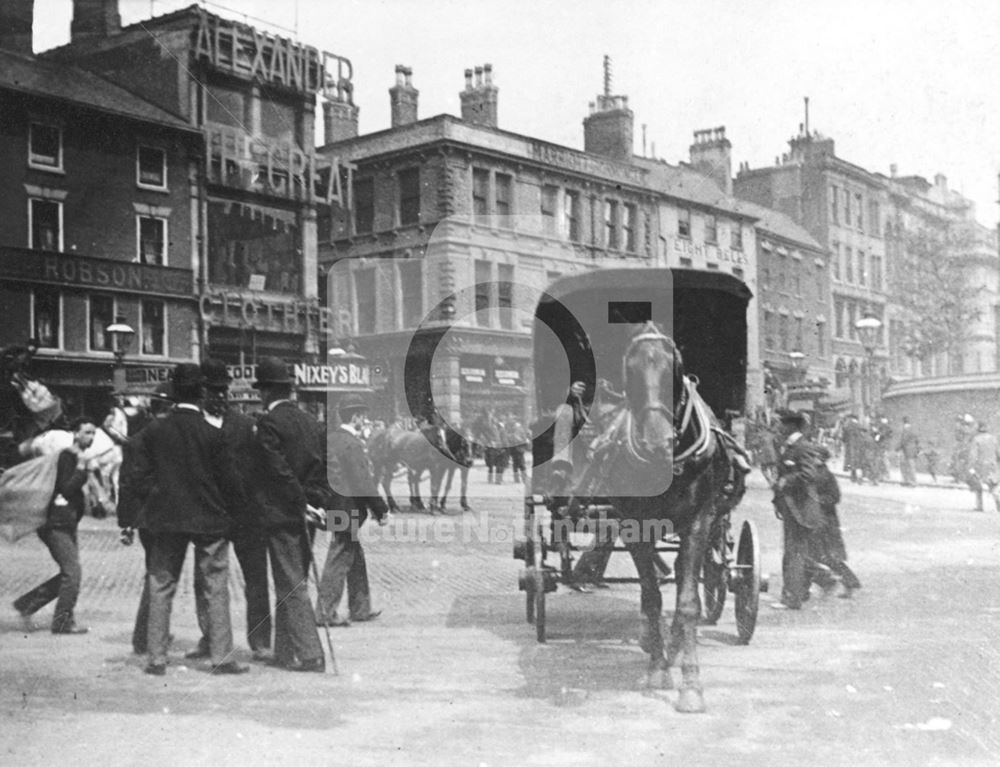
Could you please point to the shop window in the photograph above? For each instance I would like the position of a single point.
(154, 329)
(45, 147)
(101, 314)
(246, 241)
(152, 167)
(152, 241)
(364, 205)
(683, 222)
(46, 317)
(409, 196)
(45, 226)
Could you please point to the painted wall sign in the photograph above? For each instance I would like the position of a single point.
(345, 375)
(710, 252)
(222, 309)
(84, 271)
(244, 51)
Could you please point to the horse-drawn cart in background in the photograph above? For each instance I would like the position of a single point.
(661, 355)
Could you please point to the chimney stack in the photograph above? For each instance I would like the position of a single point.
(608, 129)
(403, 98)
(479, 100)
(94, 20)
(16, 18)
(711, 155)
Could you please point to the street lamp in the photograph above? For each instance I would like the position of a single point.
(121, 336)
(868, 328)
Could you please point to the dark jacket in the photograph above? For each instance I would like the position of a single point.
(69, 486)
(238, 432)
(801, 467)
(351, 474)
(183, 476)
(289, 466)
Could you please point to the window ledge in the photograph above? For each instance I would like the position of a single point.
(159, 189)
(47, 169)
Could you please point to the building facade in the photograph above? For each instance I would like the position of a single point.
(844, 208)
(96, 226)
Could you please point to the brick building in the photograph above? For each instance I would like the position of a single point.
(96, 222)
(251, 95)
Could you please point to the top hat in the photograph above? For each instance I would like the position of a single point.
(187, 374)
(352, 402)
(216, 373)
(272, 370)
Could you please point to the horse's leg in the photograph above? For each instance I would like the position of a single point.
(651, 605)
(448, 474)
(385, 474)
(684, 628)
(413, 480)
(434, 476)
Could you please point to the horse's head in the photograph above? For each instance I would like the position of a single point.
(653, 377)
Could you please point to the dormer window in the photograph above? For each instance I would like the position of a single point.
(45, 147)
(151, 168)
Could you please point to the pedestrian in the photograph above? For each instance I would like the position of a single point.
(59, 535)
(350, 473)
(832, 552)
(853, 439)
(881, 435)
(984, 466)
(931, 457)
(797, 505)
(518, 438)
(289, 473)
(965, 429)
(161, 402)
(249, 542)
(188, 493)
(909, 449)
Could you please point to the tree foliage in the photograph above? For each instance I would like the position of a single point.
(932, 286)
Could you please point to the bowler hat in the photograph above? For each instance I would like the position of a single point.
(272, 370)
(216, 373)
(187, 374)
(164, 392)
(352, 402)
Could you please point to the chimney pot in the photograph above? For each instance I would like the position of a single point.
(479, 103)
(468, 79)
(479, 77)
(403, 98)
(488, 72)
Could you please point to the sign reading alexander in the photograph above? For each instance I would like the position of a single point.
(87, 272)
(242, 50)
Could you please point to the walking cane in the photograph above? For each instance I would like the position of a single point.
(315, 572)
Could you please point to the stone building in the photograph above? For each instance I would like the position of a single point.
(97, 223)
(457, 226)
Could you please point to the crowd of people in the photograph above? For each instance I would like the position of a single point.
(199, 474)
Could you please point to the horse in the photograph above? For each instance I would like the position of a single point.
(418, 451)
(664, 431)
(460, 449)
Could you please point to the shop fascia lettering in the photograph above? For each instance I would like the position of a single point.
(281, 316)
(243, 51)
(324, 376)
(710, 252)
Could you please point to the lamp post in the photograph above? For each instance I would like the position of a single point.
(868, 328)
(121, 336)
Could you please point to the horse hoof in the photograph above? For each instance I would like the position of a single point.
(657, 680)
(690, 701)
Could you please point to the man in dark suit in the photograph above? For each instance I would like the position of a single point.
(289, 474)
(59, 535)
(248, 539)
(351, 477)
(797, 505)
(187, 488)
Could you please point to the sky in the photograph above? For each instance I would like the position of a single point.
(909, 82)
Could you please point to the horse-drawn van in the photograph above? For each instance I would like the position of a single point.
(636, 371)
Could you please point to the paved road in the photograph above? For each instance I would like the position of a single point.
(907, 673)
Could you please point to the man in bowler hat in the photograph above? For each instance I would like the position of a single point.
(351, 477)
(289, 473)
(188, 491)
(797, 504)
(248, 539)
